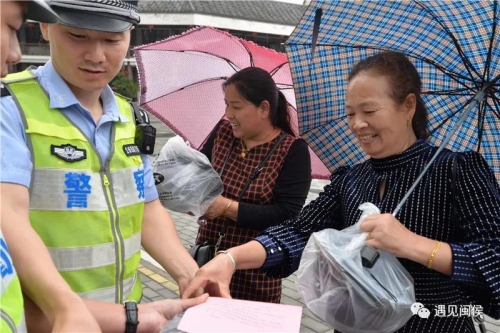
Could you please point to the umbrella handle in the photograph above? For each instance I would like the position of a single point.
(480, 321)
(369, 256)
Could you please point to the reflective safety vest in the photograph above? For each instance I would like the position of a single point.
(87, 211)
(11, 297)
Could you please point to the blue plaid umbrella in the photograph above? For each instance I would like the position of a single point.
(453, 45)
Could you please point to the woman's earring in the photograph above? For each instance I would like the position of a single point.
(408, 122)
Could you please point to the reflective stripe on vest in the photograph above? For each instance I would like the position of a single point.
(108, 294)
(49, 189)
(7, 325)
(77, 258)
(11, 297)
(87, 211)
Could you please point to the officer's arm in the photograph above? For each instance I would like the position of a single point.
(161, 241)
(111, 316)
(63, 310)
(39, 278)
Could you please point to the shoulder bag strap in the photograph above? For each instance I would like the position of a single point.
(227, 157)
(259, 169)
(252, 177)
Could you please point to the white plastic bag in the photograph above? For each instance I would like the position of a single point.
(337, 288)
(185, 179)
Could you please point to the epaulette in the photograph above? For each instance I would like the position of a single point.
(5, 92)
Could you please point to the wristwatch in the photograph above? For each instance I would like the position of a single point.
(132, 315)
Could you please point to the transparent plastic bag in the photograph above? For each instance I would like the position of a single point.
(185, 179)
(337, 288)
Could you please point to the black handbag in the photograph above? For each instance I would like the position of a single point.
(202, 253)
(205, 252)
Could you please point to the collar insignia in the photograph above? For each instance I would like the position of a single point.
(68, 152)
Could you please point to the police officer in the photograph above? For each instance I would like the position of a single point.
(40, 279)
(72, 173)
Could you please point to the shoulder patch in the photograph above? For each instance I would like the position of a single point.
(68, 153)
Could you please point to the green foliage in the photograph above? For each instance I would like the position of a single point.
(124, 86)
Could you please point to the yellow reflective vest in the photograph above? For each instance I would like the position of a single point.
(11, 297)
(87, 211)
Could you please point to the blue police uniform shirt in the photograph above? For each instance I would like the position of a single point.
(15, 162)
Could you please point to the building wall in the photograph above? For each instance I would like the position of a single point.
(36, 50)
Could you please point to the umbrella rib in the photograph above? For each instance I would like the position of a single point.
(454, 76)
(317, 22)
(445, 120)
(465, 60)
(493, 82)
(277, 68)
(452, 115)
(455, 92)
(492, 38)
(252, 64)
(496, 108)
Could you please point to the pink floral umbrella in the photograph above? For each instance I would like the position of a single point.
(181, 81)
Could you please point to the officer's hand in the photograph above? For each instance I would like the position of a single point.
(154, 316)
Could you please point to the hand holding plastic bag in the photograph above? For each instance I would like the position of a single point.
(185, 179)
(340, 290)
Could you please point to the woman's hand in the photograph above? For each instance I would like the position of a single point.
(184, 283)
(217, 208)
(388, 234)
(214, 277)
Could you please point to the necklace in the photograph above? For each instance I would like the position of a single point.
(244, 150)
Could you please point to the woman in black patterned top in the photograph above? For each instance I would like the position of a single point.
(461, 228)
(257, 116)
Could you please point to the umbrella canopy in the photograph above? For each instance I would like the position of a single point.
(181, 81)
(453, 45)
